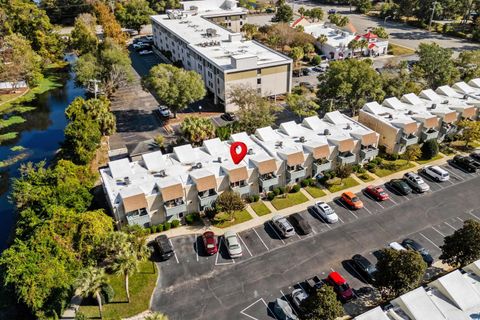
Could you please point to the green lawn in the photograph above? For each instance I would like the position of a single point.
(141, 283)
(402, 165)
(221, 220)
(346, 183)
(281, 202)
(260, 208)
(365, 177)
(315, 192)
(399, 50)
(424, 161)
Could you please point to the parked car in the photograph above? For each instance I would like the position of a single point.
(233, 245)
(164, 112)
(283, 311)
(464, 163)
(416, 182)
(332, 11)
(400, 186)
(300, 223)
(340, 286)
(314, 283)
(475, 156)
(436, 173)
(396, 246)
(298, 296)
(138, 45)
(163, 247)
(325, 211)
(283, 226)
(229, 116)
(377, 193)
(145, 52)
(364, 267)
(210, 242)
(411, 244)
(352, 200)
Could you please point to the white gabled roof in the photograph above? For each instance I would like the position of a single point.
(154, 161)
(412, 98)
(374, 314)
(457, 289)
(291, 129)
(448, 91)
(120, 168)
(464, 88)
(430, 95)
(336, 117)
(418, 306)
(373, 107)
(475, 83)
(266, 134)
(393, 103)
(215, 147)
(185, 154)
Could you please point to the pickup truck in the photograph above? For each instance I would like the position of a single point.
(313, 284)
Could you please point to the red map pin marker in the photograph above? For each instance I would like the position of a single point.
(238, 155)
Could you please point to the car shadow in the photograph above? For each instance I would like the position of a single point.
(341, 203)
(348, 266)
(269, 229)
(199, 248)
(270, 312)
(426, 176)
(222, 249)
(378, 253)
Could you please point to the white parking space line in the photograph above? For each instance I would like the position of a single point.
(438, 232)
(390, 198)
(454, 174)
(459, 219)
(371, 198)
(471, 213)
(285, 297)
(245, 245)
(260, 239)
(341, 203)
(218, 253)
(250, 305)
(429, 240)
(266, 305)
(174, 253)
(196, 245)
(298, 236)
(450, 226)
(367, 210)
(270, 224)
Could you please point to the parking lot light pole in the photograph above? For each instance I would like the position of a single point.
(433, 13)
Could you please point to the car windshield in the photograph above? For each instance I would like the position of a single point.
(289, 230)
(234, 246)
(355, 199)
(382, 193)
(344, 287)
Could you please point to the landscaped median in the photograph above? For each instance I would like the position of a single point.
(315, 191)
(288, 200)
(341, 184)
(383, 167)
(260, 208)
(222, 220)
(425, 161)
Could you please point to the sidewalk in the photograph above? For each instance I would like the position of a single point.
(259, 220)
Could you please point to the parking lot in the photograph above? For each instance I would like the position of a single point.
(271, 267)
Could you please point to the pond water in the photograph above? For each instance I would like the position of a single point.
(40, 135)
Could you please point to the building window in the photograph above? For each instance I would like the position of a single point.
(241, 22)
(259, 71)
(259, 90)
(259, 81)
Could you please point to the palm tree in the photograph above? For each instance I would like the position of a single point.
(90, 282)
(197, 129)
(126, 264)
(322, 39)
(353, 45)
(156, 316)
(362, 44)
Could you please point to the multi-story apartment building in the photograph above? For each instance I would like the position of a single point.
(222, 57)
(162, 187)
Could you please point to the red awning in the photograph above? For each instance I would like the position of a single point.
(371, 45)
(369, 35)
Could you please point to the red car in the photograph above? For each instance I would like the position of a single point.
(340, 286)
(377, 193)
(209, 242)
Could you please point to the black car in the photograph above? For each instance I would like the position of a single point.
(229, 116)
(300, 223)
(415, 246)
(163, 247)
(400, 186)
(475, 156)
(364, 267)
(464, 163)
(332, 11)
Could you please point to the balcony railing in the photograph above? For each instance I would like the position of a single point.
(322, 165)
(368, 153)
(207, 198)
(268, 180)
(408, 140)
(139, 217)
(447, 129)
(174, 208)
(296, 173)
(346, 158)
(429, 134)
(242, 189)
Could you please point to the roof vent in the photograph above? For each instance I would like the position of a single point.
(390, 116)
(279, 144)
(211, 32)
(126, 180)
(302, 139)
(250, 151)
(219, 159)
(348, 127)
(433, 106)
(465, 96)
(410, 112)
(326, 132)
(198, 165)
(162, 173)
(445, 101)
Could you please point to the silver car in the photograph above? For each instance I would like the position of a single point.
(233, 245)
(416, 182)
(298, 296)
(325, 211)
(283, 226)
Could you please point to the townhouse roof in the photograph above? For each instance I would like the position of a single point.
(429, 101)
(336, 37)
(204, 7)
(472, 98)
(472, 88)
(373, 314)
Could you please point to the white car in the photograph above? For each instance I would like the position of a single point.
(396, 246)
(416, 182)
(326, 212)
(436, 173)
(233, 246)
(298, 296)
(145, 52)
(164, 112)
(283, 226)
(139, 45)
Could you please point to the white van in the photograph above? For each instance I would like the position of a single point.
(436, 173)
(396, 246)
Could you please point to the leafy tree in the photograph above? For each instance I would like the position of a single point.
(284, 12)
(18, 61)
(399, 271)
(398, 81)
(435, 65)
(301, 11)
(309, 49)
(322, 39)
(343, 171)
(350, 84)
(380, 32)
(156, 316)
(316, 14)
(126, 263)
(297, 54)
(338, 20)
(223, 133)
(87, 67)
(470, 131)
(412, 153)
(159, 140)
(254, 111)
(90, 282)
(82, 138)
(229, 202)
(463, 246)
(468, 64)
(302, 105)
(159, 6)
(175, 87)
(250, 30)
(430, 149)
(60, 10)
(363, 6)
(111, 27)
(197, 129)
(97, 110)
(300, 28)
(322, 305)
(134, 14)
(84, 35)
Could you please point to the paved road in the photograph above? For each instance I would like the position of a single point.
(194, 286)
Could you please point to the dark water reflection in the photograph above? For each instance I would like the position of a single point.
(41, 135)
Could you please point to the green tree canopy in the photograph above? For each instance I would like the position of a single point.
(159, 6)
(430, 149)
(338, 20)
(381, 32)
(250, 30)
(133, 14)
(435, 65)
(363, 6)
(412, 153)
(397, 81)
(470, 131)
(468, 63)
(197, 129)
(175, 87)
(302, 105)
(254, 111)
(297, 54)
(84, 36)
(322, 305)
(90, 282)
(284, 12)
(111, 27)
(229, 202)
(350, 84)
(463, 246)
(97, 110)
(399, 271)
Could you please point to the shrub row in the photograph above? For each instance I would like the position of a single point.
(308, 182)
(164, 227)
(253, 198)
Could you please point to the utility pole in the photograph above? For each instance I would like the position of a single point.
(433, 13)
(95, 86)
